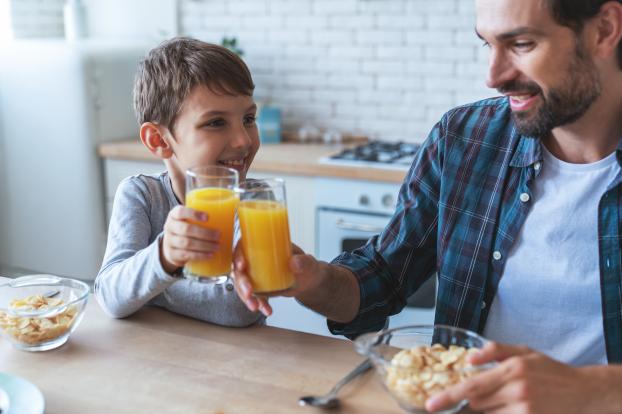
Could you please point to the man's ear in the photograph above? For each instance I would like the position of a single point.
(154, 137)
(609, 29)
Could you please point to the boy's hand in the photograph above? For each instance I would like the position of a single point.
(304, 267)
(185, 240)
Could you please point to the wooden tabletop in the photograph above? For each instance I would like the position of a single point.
(159, 362)
(288, 158)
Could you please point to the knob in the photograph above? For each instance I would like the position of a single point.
(364, 200)
(387, 200)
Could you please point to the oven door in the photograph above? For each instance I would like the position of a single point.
(345, 230)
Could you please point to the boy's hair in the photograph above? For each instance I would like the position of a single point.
(170, 71)
(573, 13)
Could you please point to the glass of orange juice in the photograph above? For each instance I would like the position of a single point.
(265, 235)
(212, 189)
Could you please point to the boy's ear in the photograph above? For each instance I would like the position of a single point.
(154, 138)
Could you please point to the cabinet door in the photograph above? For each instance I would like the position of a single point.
(300, 192)
(116, 170)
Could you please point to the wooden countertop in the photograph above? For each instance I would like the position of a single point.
(159, 362)
(291, 159)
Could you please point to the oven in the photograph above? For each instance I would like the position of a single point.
(348, 213)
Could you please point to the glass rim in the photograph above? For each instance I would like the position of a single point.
(365, 343)
(257, 181)
(45, 280)
(209, 171)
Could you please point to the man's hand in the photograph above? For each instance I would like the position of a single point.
(305, 269)
(524, 381)
(184, 239)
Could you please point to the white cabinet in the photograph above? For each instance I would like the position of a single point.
(116, 170)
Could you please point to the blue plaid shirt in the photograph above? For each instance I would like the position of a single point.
(459, 212)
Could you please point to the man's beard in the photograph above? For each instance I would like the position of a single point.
(562, 105)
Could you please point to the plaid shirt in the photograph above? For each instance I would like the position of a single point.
(459, 212)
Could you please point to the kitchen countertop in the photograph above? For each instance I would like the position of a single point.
(160, 362)
(288, 158)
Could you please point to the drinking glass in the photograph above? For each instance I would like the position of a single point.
(212, 189)
(265, 235)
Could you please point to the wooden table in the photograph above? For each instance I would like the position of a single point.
(159, 362)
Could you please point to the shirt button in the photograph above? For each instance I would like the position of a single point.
(524, 197)
(537, 166)
(483, 304)
(496, 255)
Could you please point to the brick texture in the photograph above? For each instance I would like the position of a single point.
(384, 68)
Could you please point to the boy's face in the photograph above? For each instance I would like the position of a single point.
(213, 129)
(543, 67)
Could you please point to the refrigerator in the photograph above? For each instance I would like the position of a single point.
(58, 101)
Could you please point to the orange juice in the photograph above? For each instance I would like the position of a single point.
(266, 244)
(219, 204)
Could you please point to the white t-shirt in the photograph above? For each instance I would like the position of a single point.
(549, 297)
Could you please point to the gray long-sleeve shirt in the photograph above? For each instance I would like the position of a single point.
(132, 276)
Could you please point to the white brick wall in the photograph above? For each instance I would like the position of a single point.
(385, 68)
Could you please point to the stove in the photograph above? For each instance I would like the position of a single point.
(376, 154)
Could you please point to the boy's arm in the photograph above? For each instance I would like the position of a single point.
(131, 274)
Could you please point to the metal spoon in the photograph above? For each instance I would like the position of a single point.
(330, 400)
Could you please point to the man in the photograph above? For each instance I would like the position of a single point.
(515, 203)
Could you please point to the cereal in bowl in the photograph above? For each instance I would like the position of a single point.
(418, 373)
(36, 330)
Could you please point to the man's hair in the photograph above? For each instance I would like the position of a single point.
(170, 71)
(574, 13)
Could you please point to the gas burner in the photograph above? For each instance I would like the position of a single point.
(377, 154)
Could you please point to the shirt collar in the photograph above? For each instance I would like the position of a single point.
(527, 151)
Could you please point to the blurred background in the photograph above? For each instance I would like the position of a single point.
(383, 69)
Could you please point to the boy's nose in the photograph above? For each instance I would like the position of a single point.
(241, 138)
(500, 70)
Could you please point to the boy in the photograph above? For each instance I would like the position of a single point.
(194, 104)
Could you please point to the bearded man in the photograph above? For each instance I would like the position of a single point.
(516, 204)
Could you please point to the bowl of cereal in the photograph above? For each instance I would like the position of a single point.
(39, 312)
(416, 362)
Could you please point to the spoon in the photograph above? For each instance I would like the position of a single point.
(330, 400)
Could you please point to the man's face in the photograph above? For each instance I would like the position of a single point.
(540, 65)
(215, 129)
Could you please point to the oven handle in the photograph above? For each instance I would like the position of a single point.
(344, 225)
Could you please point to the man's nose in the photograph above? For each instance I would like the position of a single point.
(501, 70)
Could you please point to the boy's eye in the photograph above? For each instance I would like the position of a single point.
(215, 123)
(486, 44)
(249, 119)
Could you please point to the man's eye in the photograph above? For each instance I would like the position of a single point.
(249, 120)
(486, 44)
(523, 45)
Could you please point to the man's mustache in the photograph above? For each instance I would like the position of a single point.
(519, 87)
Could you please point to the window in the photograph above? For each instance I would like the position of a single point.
(5, 21)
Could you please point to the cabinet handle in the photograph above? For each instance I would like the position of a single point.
(344, 225)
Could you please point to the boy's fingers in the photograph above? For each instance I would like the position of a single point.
(180, 257)
(192, 245)
(187, 229)
(185, 213)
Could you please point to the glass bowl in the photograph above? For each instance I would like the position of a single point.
(39, 312)
(412, 377)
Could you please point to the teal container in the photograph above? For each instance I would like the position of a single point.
(269, 124)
